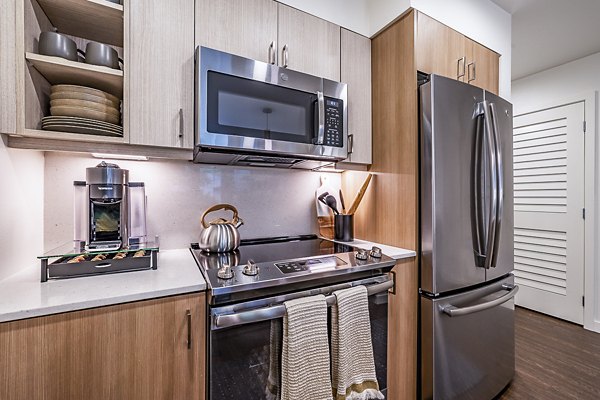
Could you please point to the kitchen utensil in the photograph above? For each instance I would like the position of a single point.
(80, 129)
(57, 45)
(82, 121)
(102, 54)
(342, 202)
(344, 227)
(220, 235)
(332, 203)
(359, 195)
(84, 113)
(84, 89)
(84, 96)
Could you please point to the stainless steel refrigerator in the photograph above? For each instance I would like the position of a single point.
(466, 284)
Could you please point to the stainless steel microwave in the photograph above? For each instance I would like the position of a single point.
(258, 114)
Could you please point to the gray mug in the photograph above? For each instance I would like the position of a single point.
(102, 54)
(57, 45)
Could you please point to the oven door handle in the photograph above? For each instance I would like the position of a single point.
(278, 311)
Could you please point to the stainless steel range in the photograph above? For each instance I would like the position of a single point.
(247, 289)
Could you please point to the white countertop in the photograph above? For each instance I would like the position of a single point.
(23, 295)
(396, 253)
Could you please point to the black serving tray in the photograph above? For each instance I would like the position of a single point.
(61, 268)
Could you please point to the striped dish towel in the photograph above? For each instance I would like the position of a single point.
(352, 364)
(305, 372)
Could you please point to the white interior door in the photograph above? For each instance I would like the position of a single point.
(549, 210)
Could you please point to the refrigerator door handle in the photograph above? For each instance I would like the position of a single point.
(476, 191)
(499, 182)
(491, 237)
(453, 311)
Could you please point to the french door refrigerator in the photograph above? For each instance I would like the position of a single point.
(466, 284)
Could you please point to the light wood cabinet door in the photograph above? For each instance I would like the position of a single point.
(130, 351)
(356, 73)
(439, 49)
(308, 44)
(8, 73)
(242, 27)
(161, 73)
(483, 67)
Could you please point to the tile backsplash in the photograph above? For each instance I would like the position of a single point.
(271, 202)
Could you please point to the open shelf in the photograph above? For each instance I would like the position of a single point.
(57, 70)
(75, 137)
(97, 20)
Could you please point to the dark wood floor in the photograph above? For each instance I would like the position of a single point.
(554, 360)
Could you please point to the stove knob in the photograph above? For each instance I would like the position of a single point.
(251, 268)
(362, 254)
(225, 272)
(376, 252)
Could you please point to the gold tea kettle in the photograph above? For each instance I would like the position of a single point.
(220, 235)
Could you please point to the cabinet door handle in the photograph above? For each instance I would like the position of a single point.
(272, 53)
(350, 143)
(189, 329)
(181, 123)
(474, 69)
(460, 67)
(285, 55)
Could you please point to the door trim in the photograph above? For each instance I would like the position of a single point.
(591, 272)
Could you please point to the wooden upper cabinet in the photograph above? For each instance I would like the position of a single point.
(356, 72)
(439, 49)
(8, 72)
(134, 351)
(242, 27)
(308, 44)
(442, 50)
(482, 67)
(160, 73)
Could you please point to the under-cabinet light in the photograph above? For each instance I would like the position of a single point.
(120, 156)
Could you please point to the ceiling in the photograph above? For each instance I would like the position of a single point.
(548, 33)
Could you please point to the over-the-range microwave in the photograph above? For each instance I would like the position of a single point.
(258, 114)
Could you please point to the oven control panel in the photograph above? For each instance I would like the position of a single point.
(334, 122)
(309, 265)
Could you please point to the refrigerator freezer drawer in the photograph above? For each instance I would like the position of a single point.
(467, 343)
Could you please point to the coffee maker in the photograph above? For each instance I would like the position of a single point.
(110, 211)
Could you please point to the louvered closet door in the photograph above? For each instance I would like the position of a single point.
(549, 201)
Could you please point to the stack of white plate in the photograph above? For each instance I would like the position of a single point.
(80, 109)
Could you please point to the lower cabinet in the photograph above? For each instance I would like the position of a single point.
(152, 349)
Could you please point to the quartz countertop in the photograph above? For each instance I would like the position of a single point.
(23, 295)
(396, 253)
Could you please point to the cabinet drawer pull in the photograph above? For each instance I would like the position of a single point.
(285, 55)
(272, 53)
(460, 67)
(181, 123)
(189, 329)
(474, 69)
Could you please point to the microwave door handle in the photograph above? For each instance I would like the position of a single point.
(321, 116)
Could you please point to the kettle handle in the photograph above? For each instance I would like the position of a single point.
(217, 207)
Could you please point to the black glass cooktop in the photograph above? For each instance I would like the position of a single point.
(272, 250)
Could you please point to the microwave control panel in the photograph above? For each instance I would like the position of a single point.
(334, 122)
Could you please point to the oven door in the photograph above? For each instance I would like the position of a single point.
(252, 107)
(244, 343)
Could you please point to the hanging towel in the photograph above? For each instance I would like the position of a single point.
(273, 385)
(305, 372)
(352, 364)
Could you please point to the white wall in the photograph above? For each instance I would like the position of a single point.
(272, 202)
(21, 208)
(545, 88)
